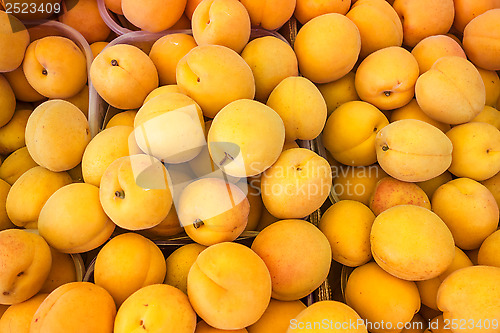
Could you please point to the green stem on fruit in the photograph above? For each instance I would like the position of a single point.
(197, 223)
(120, 194)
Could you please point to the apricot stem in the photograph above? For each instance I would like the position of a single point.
(198, 223)
(44, 72)
(385, 148)
(387, 93)
(114, 62)
(120, 194)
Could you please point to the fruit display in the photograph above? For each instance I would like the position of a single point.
(249, 166)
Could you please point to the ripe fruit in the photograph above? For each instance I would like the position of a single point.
(57, 133)
(327, 47)
(411, 243)
(412, 150)
(47, 74)
(246, 138)
(294, 274)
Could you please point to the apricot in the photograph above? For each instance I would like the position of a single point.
(123, 75)
(305, 10)
(379, 15)
(413, 111)
(489, 249)
(489, 115)
(154, 15)
(301, 107)
(469, 210)
(168, 227)
(430, 186)
(166, 53)
(14, 39)
(339, 92)
(73, 221)
(160, 91)
(214, 76)
(297, 184)
(482, 40)
(107, 146)
(256, 207)
(390, 192)
(428, 292)
(84, 17)
(178, 264)
(97, 47)
(7, 101)
(12, 134)
(386, 78)
(73, 306)
(63, 270)
(156, 308)
(277, 316)
(81, 100)
(61, 143)
(379, 296)
(327, 47)
(221, 22)
(23, 91)
(431, 48)
(114, 5)
(212, 211)
(452, 83)
(411, 243)
(471, 295)
(422, 19)
(350, 132)
(492, 184)
(17, 318)
(478, 142)
(47, 74)
(266, 219)
(271, 60)
(5, 222)
(134, 192)
(294, 275)
(331, 315)
(356, 183)
(170, 127)
(492, 85)
(25, 259)
(270, 15)
(466, 10)
(460, 260)
(350, 242)
(127, 263)
(407, 159)
(125, 118)
(229, 286)
(428, 289)
(30, 192)
(236, 139)
(15, 165)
